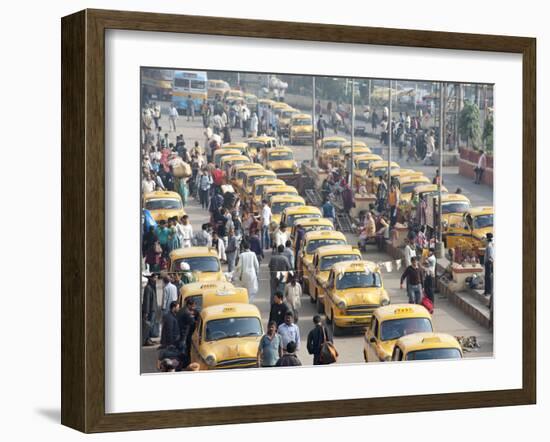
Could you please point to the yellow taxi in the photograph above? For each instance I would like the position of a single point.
(470, 229)
(352, 292)
(301, 129)
(203, 262)
(234, 94)
(210, 293)
(238, 172)
(390, 323)
(409, 183)
(251, 101)
(260, 145)
(359, 148)
(220, 153)
(255, 197)
(280, 203)
(217, 87)
(361, 165)
(270, 191)
(243, 149)
(230, 161)
(453, 204)
(227, 336)
(429, 190)
(292, 214)
(163, 204)
(318, 270)
(425, 346)
(378, 169)
(281, 161)
(329, 150)
(310, 224)
(284, 120)
(279, 107)
(251, 177)
(311, 242)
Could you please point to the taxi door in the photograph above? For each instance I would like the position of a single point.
(458, 230)
(371, 338)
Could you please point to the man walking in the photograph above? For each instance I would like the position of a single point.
(169, 295)
(247, 270)
(266, 220)
(289, 331)
(170, 329)
(429, 270)
(489, 259)
(414, 282)
(270, 349)
(231, 250)
(316, 338)
(190, 108)
(278, 263)
(480, 168)
(172, 117)
(278, 309)
(328, 210)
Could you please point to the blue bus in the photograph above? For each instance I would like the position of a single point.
(189, 83)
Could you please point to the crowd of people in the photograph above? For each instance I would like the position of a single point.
(241, 239)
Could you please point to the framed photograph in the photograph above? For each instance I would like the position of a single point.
(266, 221)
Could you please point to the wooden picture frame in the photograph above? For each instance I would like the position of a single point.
(83, 215)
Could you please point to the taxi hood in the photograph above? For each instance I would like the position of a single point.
(159, 215)
(209, 276)
(360, 296)
(232, 348)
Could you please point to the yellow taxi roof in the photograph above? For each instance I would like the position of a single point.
(280, 188)
(234, 158)
(270, 180)
(343, 249)
(267, 173)
(197, 288)
(336, 138)
(403, 172)
(161, 194)
(226, 152)
(280, 149)
(302, 209)
(298, 116)
(287, 199)
(234, 145)
(419, 341)
(367, 157)
(262, 138)
(429, 188)
(281, 105)
(230, 310)
(414, 179)
(355, 266)
(323, 234)
(356, 143)
(248, 95)
(248, 166)
(266, 101)
(188, 252)
(398, 311)
(307, 222)
(475, 211)
(452, 197)
(382, 163)
(235, 91)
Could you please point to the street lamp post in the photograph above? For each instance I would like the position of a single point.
(352, 166)
(313, 138)
(389, 137)
(439, 244)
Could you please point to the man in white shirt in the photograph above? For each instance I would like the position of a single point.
(408, 252)
(172, 117)
(429, 269)
(148, 184)
(169, 294)
(266, 220)
(289, 331)
(489, 260)
(281, 236)
(186, 231)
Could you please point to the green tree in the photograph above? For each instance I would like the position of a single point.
(469, 124)
(487, 136)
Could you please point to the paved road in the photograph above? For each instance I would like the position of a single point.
(447, 318)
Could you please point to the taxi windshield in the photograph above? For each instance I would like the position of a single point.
(382, 171)
(314, 244)
(362, 165)
(280, 156)
(458, 207)
(316, 227)
(166, 204)
(301, 122)
(291, 219)
(328, 261)
(200, 263)
(395, 328)
(332, 144)
(482, 221)
(357, 280)
(232, 328)
(277, 208)
(287, 114)
(252, 179)
(434, 353)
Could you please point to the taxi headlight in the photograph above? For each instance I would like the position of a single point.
(210, 360)
(386, 358)
(385, 301)
(341, 305)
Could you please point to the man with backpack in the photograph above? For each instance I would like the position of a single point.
(316, 338)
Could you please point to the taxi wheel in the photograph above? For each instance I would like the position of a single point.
(365, 355)
(306, 289)
(336, 331)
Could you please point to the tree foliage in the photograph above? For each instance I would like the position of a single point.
(469, 124)
(488, 134)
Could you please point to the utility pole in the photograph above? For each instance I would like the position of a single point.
(313, 138)
(352, 132)
(439, 244)
(389, 137)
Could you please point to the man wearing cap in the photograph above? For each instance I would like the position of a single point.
(489, 260)
(289, 331)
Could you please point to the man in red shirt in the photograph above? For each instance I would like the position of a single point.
(217, 177)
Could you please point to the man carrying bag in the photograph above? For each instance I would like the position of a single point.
(319, 344)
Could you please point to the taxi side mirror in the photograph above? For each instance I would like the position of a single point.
(372, 340)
